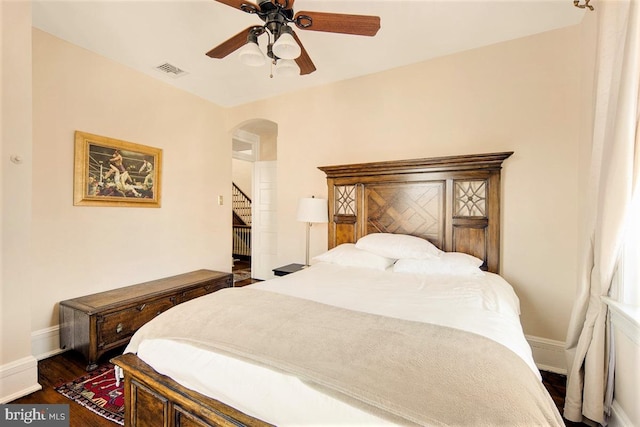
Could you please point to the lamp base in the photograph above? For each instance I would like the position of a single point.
(306, 255)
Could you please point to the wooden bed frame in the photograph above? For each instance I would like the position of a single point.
(452, 201)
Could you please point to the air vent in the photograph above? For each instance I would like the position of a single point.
(170, 70)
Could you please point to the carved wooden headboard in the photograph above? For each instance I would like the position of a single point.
(454, 202)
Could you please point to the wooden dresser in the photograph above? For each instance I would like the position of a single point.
(95, 324)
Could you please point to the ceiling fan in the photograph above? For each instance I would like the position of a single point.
(284, 47)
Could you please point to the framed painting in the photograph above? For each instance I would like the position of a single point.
(110, 172)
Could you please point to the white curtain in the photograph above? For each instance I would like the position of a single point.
(612, 174)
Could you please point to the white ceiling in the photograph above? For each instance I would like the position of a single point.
(144, 34)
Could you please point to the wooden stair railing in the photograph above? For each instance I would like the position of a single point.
(241, 206)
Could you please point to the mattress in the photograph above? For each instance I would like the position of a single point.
(483, 304)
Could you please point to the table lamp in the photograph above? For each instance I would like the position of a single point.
(312, 210)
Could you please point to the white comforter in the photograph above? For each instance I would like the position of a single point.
(483, 304)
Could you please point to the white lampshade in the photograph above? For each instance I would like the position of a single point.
(250, 54)
(286, 47)
(311, 209)
(287, 67)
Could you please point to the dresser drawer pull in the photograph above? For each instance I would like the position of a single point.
(118, 328)
(140, 308)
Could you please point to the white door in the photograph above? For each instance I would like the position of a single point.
(264, 220)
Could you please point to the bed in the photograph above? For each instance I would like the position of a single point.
(403, 321)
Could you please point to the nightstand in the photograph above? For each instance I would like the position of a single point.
(287, 269)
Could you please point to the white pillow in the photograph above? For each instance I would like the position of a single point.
(461, 259)
(398, 246)
(448, 263)
(348, 255)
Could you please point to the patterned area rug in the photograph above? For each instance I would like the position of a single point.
(97, 391)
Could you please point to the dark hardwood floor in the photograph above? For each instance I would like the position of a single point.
(58, 370)
(556, 385)
(240, 265)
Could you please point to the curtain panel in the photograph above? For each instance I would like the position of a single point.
(612, 173)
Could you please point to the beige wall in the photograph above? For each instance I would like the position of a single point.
(521, 96)
(18, 369)
(81, 250)
(269, 146)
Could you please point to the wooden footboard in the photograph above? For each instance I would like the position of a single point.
(152, 399)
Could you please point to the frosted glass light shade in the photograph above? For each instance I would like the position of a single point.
(287, 67)
(286, 47)
(250, 54)
(311, 209)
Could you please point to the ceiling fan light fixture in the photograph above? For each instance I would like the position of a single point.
(286, 47)
(250, 54)
(283, 42)
(287, 67)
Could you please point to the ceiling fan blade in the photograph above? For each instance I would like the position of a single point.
(285, 4)
(303, 61)
(363, 25)
(245, 6)
(231, 44)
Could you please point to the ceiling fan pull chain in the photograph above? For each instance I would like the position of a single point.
(270, 54)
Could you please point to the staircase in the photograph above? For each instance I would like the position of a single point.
(241, 205)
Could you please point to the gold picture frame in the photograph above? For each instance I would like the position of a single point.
(110, 172)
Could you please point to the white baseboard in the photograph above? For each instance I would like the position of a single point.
(618, 418)
(18, 379)
(46, 342)
(548, 354)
